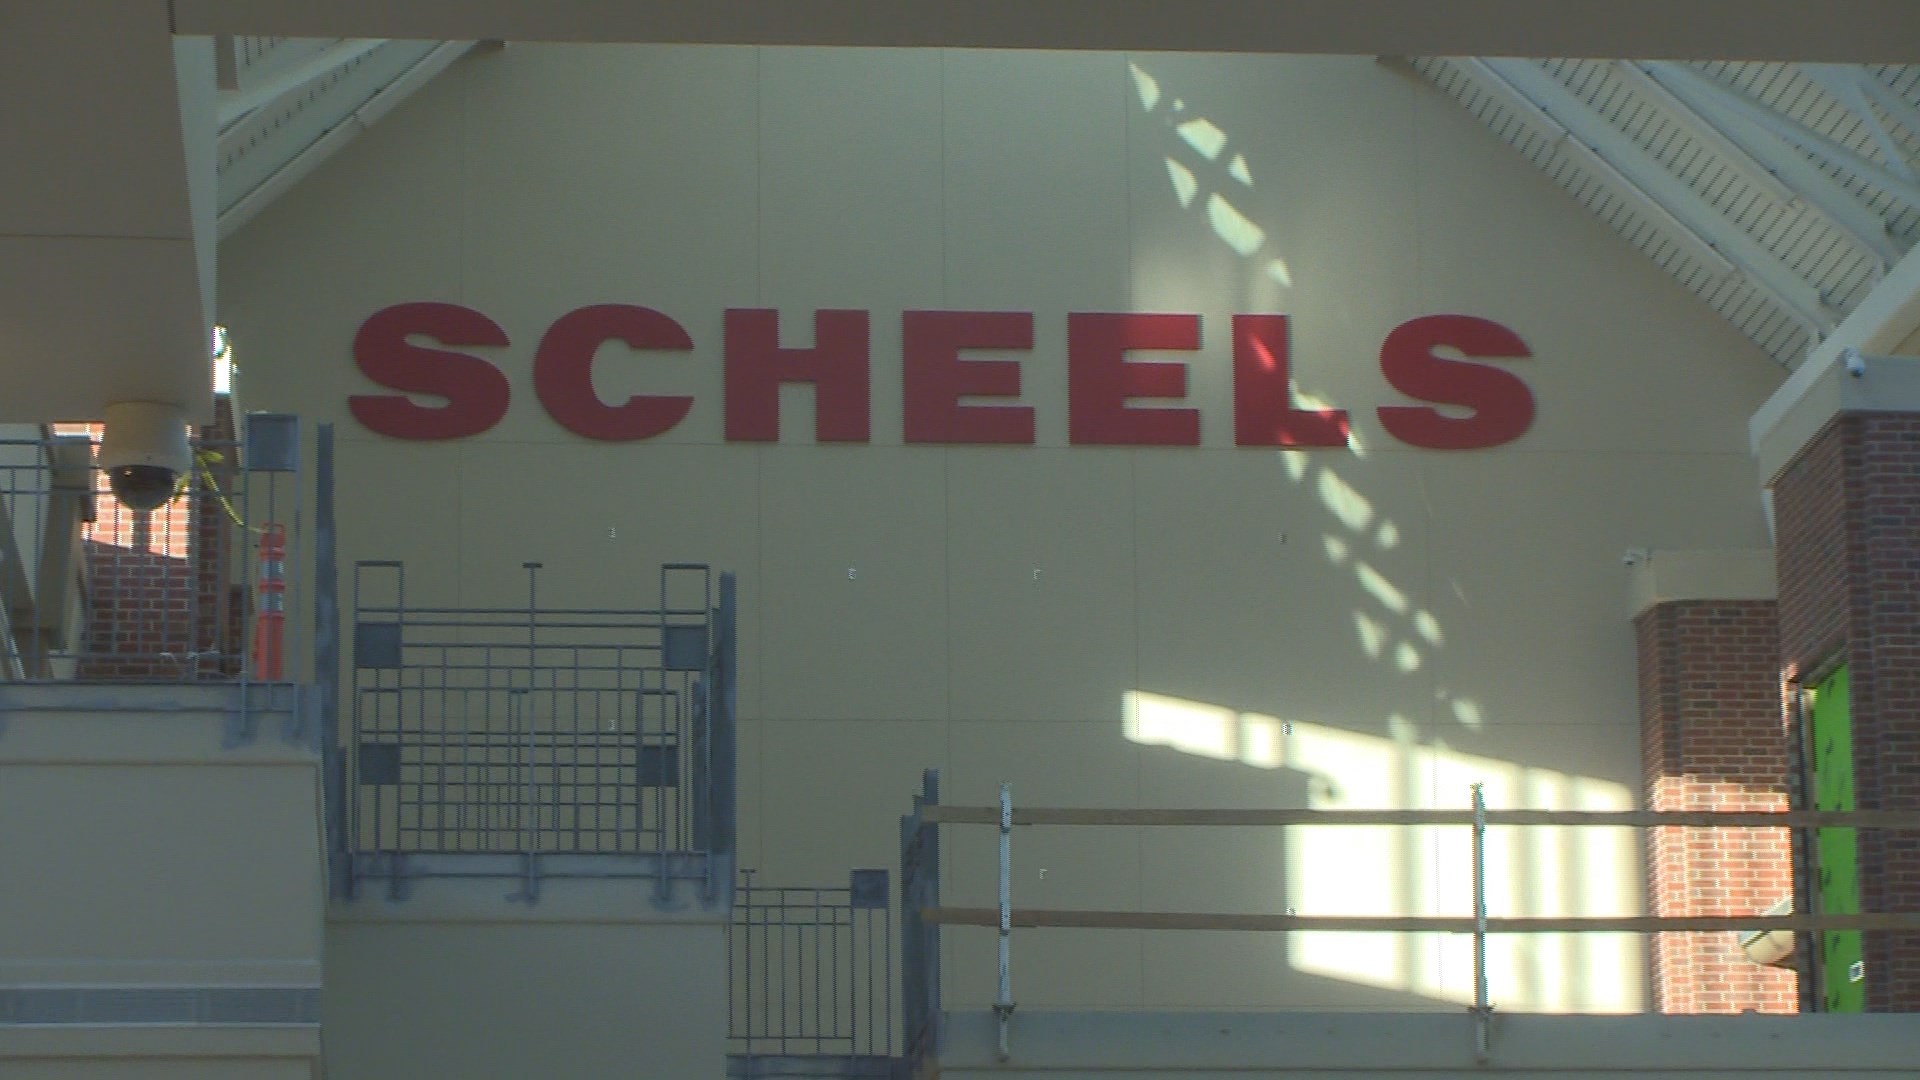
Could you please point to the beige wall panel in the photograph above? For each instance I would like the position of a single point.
(1040, 564)
(1302, 629)
(817, 809)
(299, 279)
(1214, 969)
(853, 615)
(655, 505)
(400, 501)
(1623, 357)
(1097, 969)
(161, 875)
(612, 175)
(510, 1001)
(750, 800)
(1521, 595)
(851, 203)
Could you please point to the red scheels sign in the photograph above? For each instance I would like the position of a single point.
(1486, 405)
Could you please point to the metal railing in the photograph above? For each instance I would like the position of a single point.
(920, 936)
(538, 732)
(810, 979)
(924, 906)
(93, 591)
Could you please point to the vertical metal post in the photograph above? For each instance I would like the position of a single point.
(326, 661)
(532, 811)
(1003, 1005)
(1481, 1009)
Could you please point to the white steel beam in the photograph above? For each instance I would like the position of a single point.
(1713, 95)
(1843, 83)
(1695, 246)
(249, 206)
(1903, 111)
(1788, 177)
(1844, 31)
(237, 104)
(1641, 171)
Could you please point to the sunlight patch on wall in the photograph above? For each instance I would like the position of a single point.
(1378, 587)
(1207, 731)
(1230, 225)
(1185, 187)
(1352, 508)
(1146, 86)
(1364, 870)
(1204, 136)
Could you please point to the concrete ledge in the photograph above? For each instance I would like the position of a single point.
(43, 737)
(1820, 388)
(165, 697)
(561, 899)
(1663, 576)
(1780, 431)
(1193, 1045)
(84, 1041)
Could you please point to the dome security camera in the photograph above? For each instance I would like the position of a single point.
(145, 453)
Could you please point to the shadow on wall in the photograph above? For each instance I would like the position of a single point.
(1387, 871)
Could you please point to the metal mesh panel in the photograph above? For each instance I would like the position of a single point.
(811, 973)
(532, 730)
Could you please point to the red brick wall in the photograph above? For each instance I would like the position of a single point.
(1711, 739)
(1848, 516)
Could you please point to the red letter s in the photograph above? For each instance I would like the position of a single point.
(475, 390)
(1501, 403)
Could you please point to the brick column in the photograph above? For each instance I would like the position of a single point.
(1847, 507)
(1711, 739)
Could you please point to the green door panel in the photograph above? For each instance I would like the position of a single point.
(1843, 982)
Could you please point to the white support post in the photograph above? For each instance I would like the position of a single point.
(1003, 1004)
(1482, 1009)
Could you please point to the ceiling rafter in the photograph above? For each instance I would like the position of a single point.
(1844, 86)
(252, 91)
(1685, 209)
(1788, 178)
(1704, 90)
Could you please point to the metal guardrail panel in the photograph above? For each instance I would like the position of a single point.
(537, 731)
(92, 591)
(810, 978)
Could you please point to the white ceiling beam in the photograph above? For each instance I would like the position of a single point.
(1843, 31)
(1695, 247)
(1700, 129)
(1843, 84)
(238, 103)
(1715, 95)
(1903, 111)
(1788, 177)
(1636, 167)
(249, 205)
